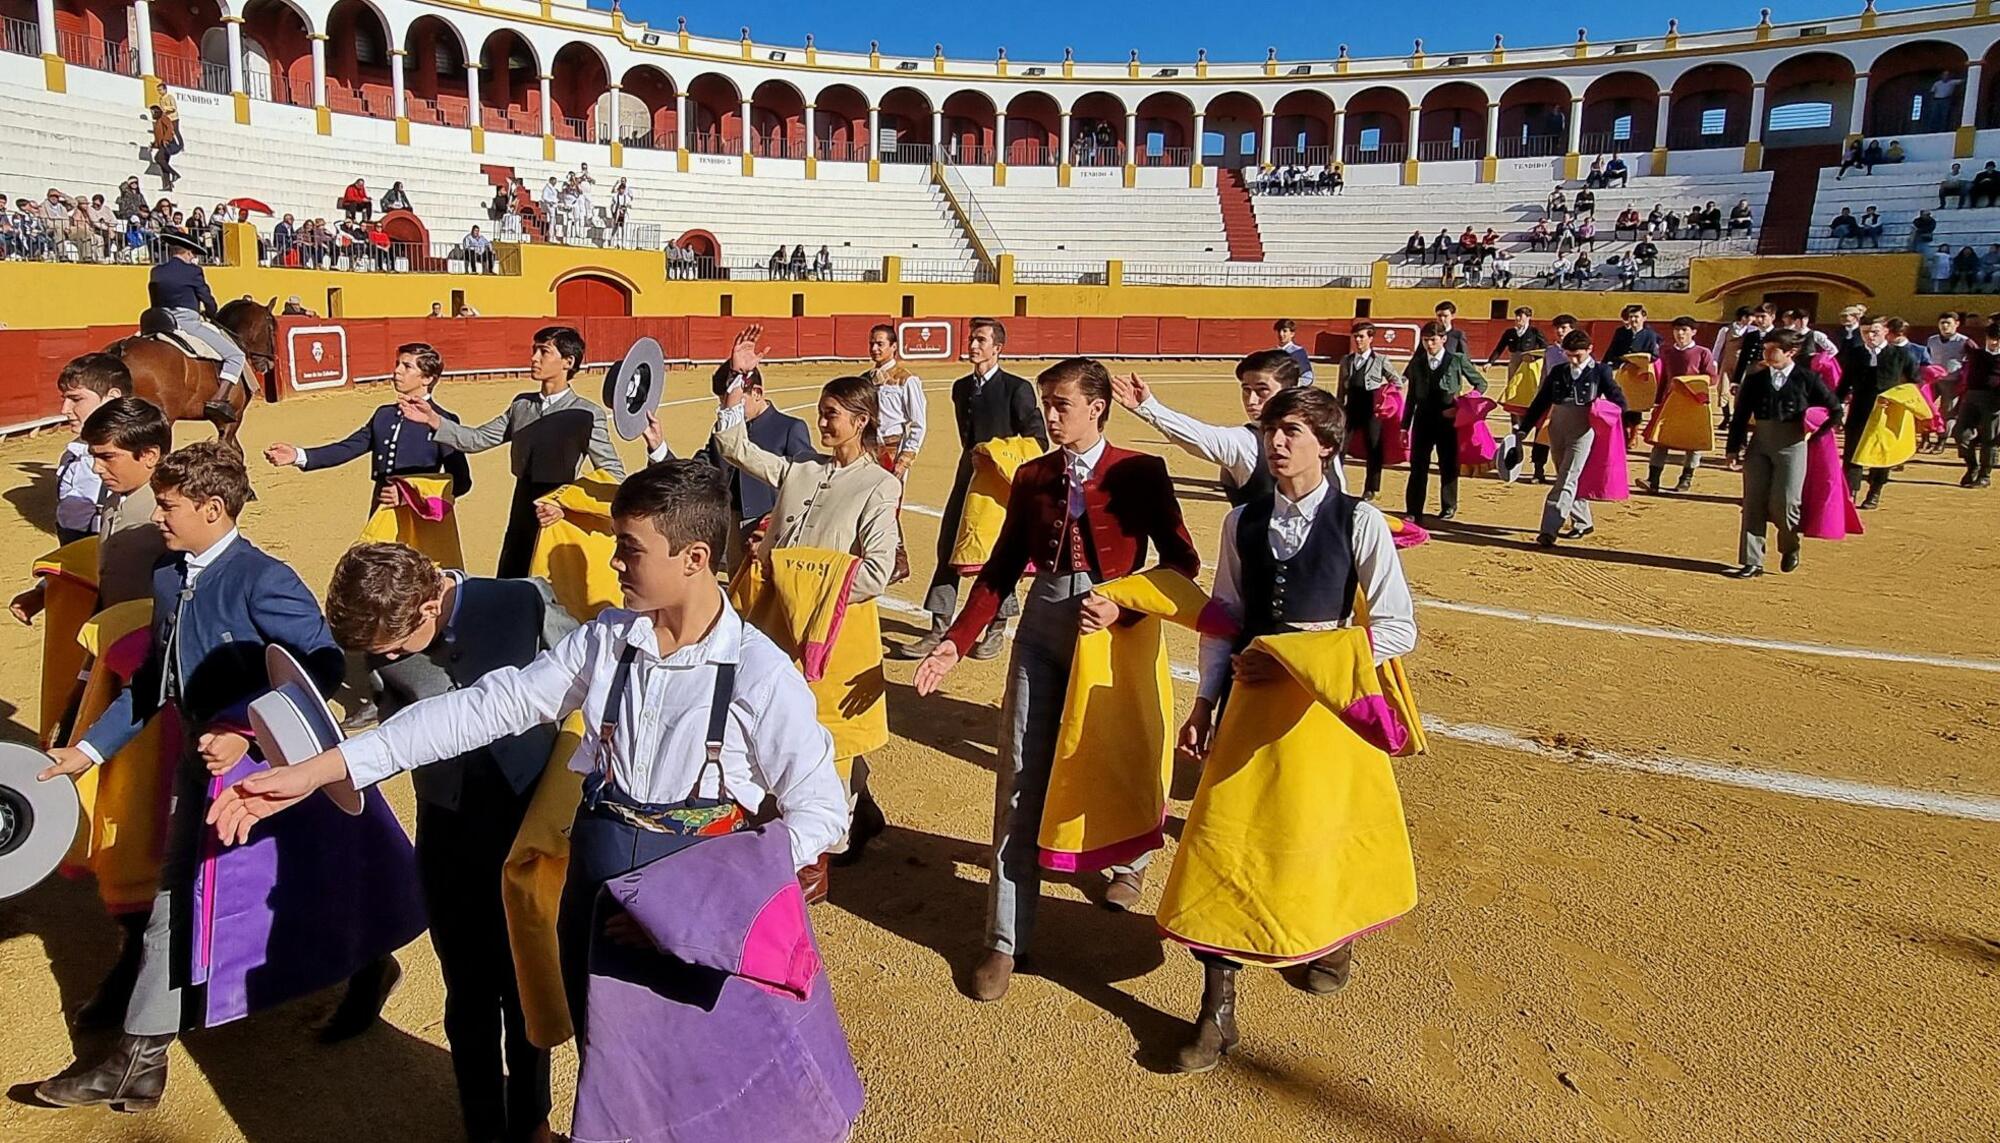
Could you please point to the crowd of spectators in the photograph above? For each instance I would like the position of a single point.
(1294, 179)
(88, 228)
(1867, 156)
(1965, 270)
(797, 267)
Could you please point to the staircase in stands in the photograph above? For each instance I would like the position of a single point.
(1239, 217)
(1788, 213)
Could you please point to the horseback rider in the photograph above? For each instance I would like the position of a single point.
(178, 288)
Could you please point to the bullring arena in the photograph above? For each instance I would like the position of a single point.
(1696, 858)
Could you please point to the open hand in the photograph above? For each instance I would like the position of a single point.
(419, 409)
(936, 665)
(1130, 390)
(221, 751)
(743, 356)
(1253, 667)
(259, 796)
(65, 761)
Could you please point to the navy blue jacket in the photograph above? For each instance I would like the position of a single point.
(241, 603)
(1625, 341)
(774, 432)
(396, 447)
(178, 285)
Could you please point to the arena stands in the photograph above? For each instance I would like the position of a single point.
(1899, 192)
(1087, 224)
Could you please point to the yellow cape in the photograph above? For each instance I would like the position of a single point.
(125, 800)
(531, 885)
(993, 467)
(1114, 757)
(1296, 842)
(1685, 420)
(1890, 436)
(1636, 377)
(574, 553)
(422, 518)
(69, 598)
(801, 602)
(1522, 381)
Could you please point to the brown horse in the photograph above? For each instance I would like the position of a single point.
(182, 387)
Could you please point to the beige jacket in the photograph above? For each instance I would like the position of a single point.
(128, 546)
(849, 508)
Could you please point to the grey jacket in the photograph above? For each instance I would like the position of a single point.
(1359, 378)
(548, 447)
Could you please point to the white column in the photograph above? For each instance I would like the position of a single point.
(938, 149)
(1416, 125)
(680, 121)
(1575, 124)
(1660, 121)
(319, 70)
(1264, 140)
(1757, 114)
(614, 131)
(1200, 122)
(1131, 136)
(1062, 135)
(1968, 115)
(1858, 114)
(1339, 140)
(812, 135)
(45, 23)
(999, 138)
(472, 115)
(547, 128)
(233, 29)
(746, 126)
(396, 81)
(874, 133)
(1492, 130)
(142, 31)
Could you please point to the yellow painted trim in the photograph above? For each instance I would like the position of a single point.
(1132, 69)
(403, 130)
(999, 174)
(54, 75)
(1114, 272)
(1131, 175)
(1659, 160)
(1867, 19)
(323, 119)
(1967, 138)
(594, 270)
(242, 101)
(812, 166)
(1069, 69)
(1417, 61)
(1753, 157)
(548, 148)
(478, 140)
(1489, 169)
(1000, 66)
(1062, 175)
(681, 160)
(617, 153)
(1201, 69)
(1410, 169)
(874, 61)
(749, 163)
(1572, 165)
(1340, 66)
(1004, 270)
(1673, 41)
(239, 244)
(1581, 51)
(1497, 56)
(937, 64)
(152, 87)
(1270, 66)
(745, 42)
(683, 38)
(548, 10)
(812, 55)
(874, 170)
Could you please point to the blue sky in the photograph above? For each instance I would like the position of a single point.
(1173, 29)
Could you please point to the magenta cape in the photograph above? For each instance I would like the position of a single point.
(729, 1036)
(1395, 440)
(1605, 476)
(1826, 511)
(313, 896)
(1475, 441)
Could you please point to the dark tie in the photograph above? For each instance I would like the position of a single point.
(170, 675)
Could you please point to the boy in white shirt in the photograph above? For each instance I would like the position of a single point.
(84, 383)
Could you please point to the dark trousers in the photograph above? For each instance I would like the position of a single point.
(941, 600)
(1978, 430)
(503, 1079)
(1433, 433)
(517, 547)
(1364, 426)
(1857, 419)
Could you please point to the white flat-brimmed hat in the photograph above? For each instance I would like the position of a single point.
(293, 723)
(38, 820)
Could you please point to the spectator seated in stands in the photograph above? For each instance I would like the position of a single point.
(1586, 202)
(1441, 246)
(1616, 171)
(1413, 250)
(1559, 270)
(1670, 226)
(1964, 268)
(1596, 176)
(498, 207)
(1558, 205)
(1586, 233)
(775, 268)
(1872, 157)
(823, 264)
(1985, 187)
(1853, 156)
(1989, 265)
(1467, 242)
(1628, 272)
(477, 250)
(1582, 272)
(1711, 219)
(1645, 256)
(1939, 265)
(1565, 237)
(1332, 179)
(1739, 218)
(354, 200)
(131, 200)
(1922, 227)
(395, 199)
(1540, 237)
(282, 236)
(1627, 225)
(1895, 152)
(1952, 186)
(1844, 228)
(799, 265)
(1869, 229)
(1502, 268)
(382, 248)
(295, 308)
(1489, 241)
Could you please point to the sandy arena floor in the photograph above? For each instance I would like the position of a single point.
(1698, 860)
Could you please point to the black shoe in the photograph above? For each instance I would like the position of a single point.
(1685, 483)
(361, 718)
(131, 1078)
(1576, 533)
(1871, 502)
(1653, 485)
(1447, 513)
(1215, 1028)
(1747, 571)
(220, 412)
(367, 991)
(1969, 480)
(1546, 539)
(1329, 973)
(106, 1010)
(922, 647)
(990, 643)
(868, 824)
(1789, 562)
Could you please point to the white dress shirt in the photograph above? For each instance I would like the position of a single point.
(1392, 613)
(555, 400)
(773, 741)
(1779, 377)
(1232, 447)
(901, 407)
(1080, 465)
(79, 490)
(981, 377)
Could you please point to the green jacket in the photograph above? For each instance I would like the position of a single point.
(1435, 393)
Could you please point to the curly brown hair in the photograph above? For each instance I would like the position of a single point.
(377, 595)
(203, 471)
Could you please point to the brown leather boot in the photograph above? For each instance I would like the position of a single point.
(1215, 1029)
(991, 976)
(131, 1078)
(1329, 972)
(922, 647)
(1122, 894)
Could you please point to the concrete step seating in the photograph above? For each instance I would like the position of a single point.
(1898, 191)
(1079, 224)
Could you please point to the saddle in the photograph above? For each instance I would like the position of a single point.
(159, 325)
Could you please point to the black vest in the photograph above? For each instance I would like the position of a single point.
(1261, 482)
(1316, 585)
(496, 623)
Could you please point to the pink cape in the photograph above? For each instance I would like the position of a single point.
(1605, 476)
(1826, 511)
(1395, 441)
(1828, 368)
(1475, 441)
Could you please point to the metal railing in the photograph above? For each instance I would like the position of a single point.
(97, 54)
(1446, 151)
(1059, 273)
(985, 235)
(828, 150)
(1984, 280)
(646, 141)
(328, 252)
(1531, 146)
(274, 87)
(1380, 153)
(770, 147)
(122, 246)
(1351, 275)
(1090, 153)
(933, 270)
(964, 155)
(21, 37)
(1606, 143)
(714, 143)
(574, 128)
(1311, 180)
(1316, 155)
(682, 265)
(1032, 153)
(750, 269)
(1164, 157)
(909, 154)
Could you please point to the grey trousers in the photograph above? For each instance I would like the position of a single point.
(1570, 438)
(1656, 462)
(156, 1005)
(1774, 480)
(195, 326)
(1030, 717)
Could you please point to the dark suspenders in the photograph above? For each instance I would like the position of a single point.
(718, 721)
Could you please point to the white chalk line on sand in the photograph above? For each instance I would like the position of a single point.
(1762, 779)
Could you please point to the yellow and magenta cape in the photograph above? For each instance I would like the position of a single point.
(1890, 436)
(1684, 419)
(574, 553)
(422, 518)
(986, 495)
(802, 602)
(125, 800)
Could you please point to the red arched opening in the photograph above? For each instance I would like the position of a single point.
(840, 125)
(1031, 130)
(1809, 101)
(277, 53)
(1621, 113)
(1710, 108)
(93, 34)
(703, 243)
(1378, 123)
(1301, 128)
(1165, 130)
(1232, 127)
(179, 36)
(592, 295)
(1903, 95)
(969, 120)
(510, 85)
(646, 108)
(1452, 125)
(715, 116)
(578, 79)
(357, 61)
(1534, 119)
(906, 112)
(1097, 130)
(434, 73)
(777, 121)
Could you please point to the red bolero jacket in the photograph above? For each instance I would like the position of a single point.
(1128, 500)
